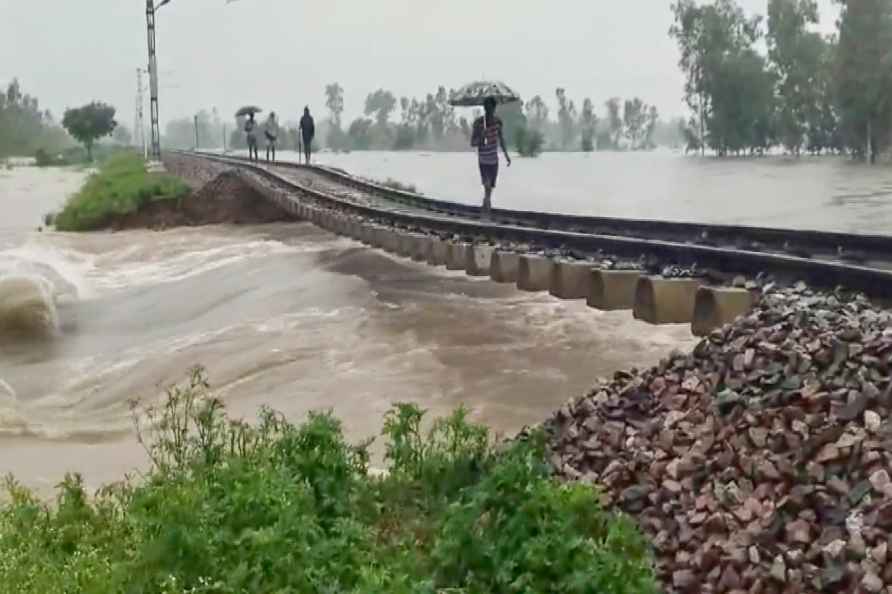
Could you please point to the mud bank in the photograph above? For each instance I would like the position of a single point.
(219, 196)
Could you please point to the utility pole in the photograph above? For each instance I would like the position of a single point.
(195, 120)
(153, 80)
(139, 127)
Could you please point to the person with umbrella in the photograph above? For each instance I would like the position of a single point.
(250, 129)
(487, 135)
(307, 132)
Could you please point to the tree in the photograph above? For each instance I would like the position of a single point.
(634, 122)
(796, 55)
(864, 75)
(566, 118)
(537, 113)
(381, 104)
(24, 127)
(360, 133)
(589, 125)
(122, 135)
(90, 123)
(334, 101)
(707, 36)
(614, 122)
(650, 127)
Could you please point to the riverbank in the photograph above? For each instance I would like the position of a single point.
(123, 195)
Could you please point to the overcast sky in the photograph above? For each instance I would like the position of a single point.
(281, 53)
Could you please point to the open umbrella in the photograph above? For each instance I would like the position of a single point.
(475, 93)
(248, 109)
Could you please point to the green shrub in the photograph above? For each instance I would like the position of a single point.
(276, 507)
(121, 186)
(529, 142)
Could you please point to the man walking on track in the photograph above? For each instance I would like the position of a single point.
(271, 131)
(307, 132)
(487, 137)
(250, 133)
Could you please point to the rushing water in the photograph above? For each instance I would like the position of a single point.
(285, 315)
(826, 193)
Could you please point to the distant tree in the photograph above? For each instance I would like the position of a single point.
(380, 104)
(650, 127)
(334, 101)
(634, 122)
(360, 133)
(566, 118)
(537, 113)
(614, 122)
(528, 141)
(25, 127)
(589, 124)
(90, 123)
(122, 135)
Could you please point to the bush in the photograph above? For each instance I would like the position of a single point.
(274, 507)
(122, 186)
(43, 159)
(529, 142)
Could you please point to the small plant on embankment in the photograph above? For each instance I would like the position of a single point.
(120, 187)
(277, 507)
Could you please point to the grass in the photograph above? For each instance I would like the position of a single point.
(120, 187)
(277, 507)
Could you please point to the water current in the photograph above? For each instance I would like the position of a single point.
(283, 315)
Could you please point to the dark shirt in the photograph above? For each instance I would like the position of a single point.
(307, 126)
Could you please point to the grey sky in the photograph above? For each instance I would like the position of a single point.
(281, 53)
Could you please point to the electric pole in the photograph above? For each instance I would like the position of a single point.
(139, 126)
(153, 80)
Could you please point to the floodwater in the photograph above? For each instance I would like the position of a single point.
(824, 193)
(283, 315)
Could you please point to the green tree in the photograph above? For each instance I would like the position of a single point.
(796, 54)
(334, 101)
(566, 118)
(25, 127)
(360, 133)
(122, 135)
(380, 104)
(90, 123)
(650, 127)
(589, 125)
(708, 36)
(864, 74)
(614, 122)
(537, 113)
(635, 122)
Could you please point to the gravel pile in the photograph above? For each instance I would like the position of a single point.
(760, 462)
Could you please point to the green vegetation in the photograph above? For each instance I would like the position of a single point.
(25, 127)
(121, 186)
(90, 123)
(233, 508)
(528, 142)
(810, 91)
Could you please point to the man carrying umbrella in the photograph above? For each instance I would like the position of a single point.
(250, 129)
(487, 137)
(487, 134)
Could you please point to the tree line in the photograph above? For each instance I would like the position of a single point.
(25, 127)
(805, 92)
(431, 123)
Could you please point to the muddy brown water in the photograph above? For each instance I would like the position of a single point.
(284, 315)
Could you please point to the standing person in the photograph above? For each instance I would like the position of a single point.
(271, 131)
(250, 128)
(307, 132)
(486, 137)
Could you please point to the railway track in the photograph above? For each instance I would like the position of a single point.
(860, 262)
